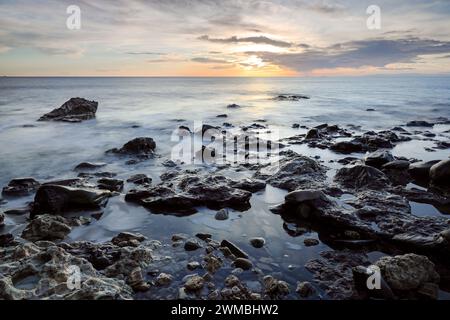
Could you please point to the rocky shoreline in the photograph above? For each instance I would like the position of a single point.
(364, 206)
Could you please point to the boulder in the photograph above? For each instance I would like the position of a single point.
(142, 146)
(55, 199)
(396, 165)
(243, 263)
(347, 147)
(222, 214)
(20, 187)
(73, 110)
(440, 174)
(194, 283)
(140, 179)
(378, 158)
(110, 184)
(313, 134)
(421, 170)
(361, 177)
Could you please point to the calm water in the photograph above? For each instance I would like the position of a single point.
(50, 150)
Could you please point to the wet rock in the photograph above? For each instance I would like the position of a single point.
(233, 106)
(164, 279)
(193, 265)
(275, 288)
(443, 145)
(56, 199)
(370, 109)
(254, 126)
(142, 146)
(251, 185)
(360, 177)
(73, 110)
(222, 115)
(110, 184)
(291, 97)
(7, 239)
(257, 242)
(309, 242)
(243, 263)
(89, 165)
(407, 272)
(295, 126)
(212, 263)
(378, 158)
(234, 249)
(396, 165)
(305, 289)
(421, 170)
(419, 123)
(20, 187)
(47, 227)
(313, 134)
(128, 239)
(440, 174)
(2, 219)
(194, 283)
(203, 236)
(222, 214)
(347, 147)
(192, 244)
(48, 269)
(362, 276)
(140, 179)
(348, 160)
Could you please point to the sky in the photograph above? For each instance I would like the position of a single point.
(224, 38)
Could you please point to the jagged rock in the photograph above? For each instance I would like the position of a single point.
(110, 184)
(20, 187)
(47, 227)
(194, 283)
(250, 185)
(238, 252)
(257, 242)
(142, 146)
(275, 288)
(52, 273)
(56, 199)
(440, 174)
(192, 244)
(164, 279)
(140, 179)
(305, 289)
(378, 158)
(313, 134)
(73, 110)
(407, 272)
(128, 239)
(222, 214)
(361, 177)
(419, 123)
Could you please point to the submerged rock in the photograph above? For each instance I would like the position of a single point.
(55, 199)
(90, 165)
(20, 187)
(291, 97)
(128, 239)
(73, 110)
(257, 242)
(142, 146)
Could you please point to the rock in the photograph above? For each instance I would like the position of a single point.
(419, 123)
(73, 110)
(222, 116)
(396, 165)
(309, 242)
(378, 158)
(193, 265)
(2, 219)
(142, 146)
(164, 279)
(140, 179)
(233, 106)
(7, 239)
(370, 109)
(20, 187)
(234, 249)
(300, 196)
(203, 236)
(251, 185)
(56, 199)
(361, 177)
(222, 214)
(313, 134)
(347, 147)
(90, 165)
(194, 283)
(169, 163)
(47, 227)
(361, 276)
(243, 263)
(275, 288)
(305, 289)
(421, 170)
(257, 242)
(440, 174)
(110, 184)
(443, 145)
(128, 239)
(212, 263)
(407, 272)
(291, 97)
(295, 126)
(192, 244)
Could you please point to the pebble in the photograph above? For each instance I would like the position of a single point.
(222, 215)
(257, 242)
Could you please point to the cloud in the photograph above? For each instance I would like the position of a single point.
(355, 54)
(256, 40)
(209, 60)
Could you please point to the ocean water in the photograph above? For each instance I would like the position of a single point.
(155, 107)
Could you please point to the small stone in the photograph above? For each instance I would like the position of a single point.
(309, 242)
(163, 279)
(222, 214)
(192, 244)
(194, 283)
(203, 236)
(243, 263)
(232, 281)
(178, 237)
(257, 242)
(89, 165)
(305, 289)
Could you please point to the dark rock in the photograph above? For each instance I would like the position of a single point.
(378, 158)
(234, 249)
(74, 110)
(361, 276)
(296, 126)
(347, 147)
(305, 289)
(222, 116)
(2, 219)
(397, 165)
(20, 187)
(140, 179)
(348, 160)
(243, 263)
(443, 145)
(7, 240)
(291, 97)
(440, 174)
(250, 185)
(370, 109)
(421, 170)
(309, 242)
(18, 211)
(128, 239)
(169, 163)
(222, 214)
(47, 227)
(90, 165)
(192, 244)
(233, 106)
(257, 242)
(203, 236)
(56, 199)
(139, 146)
(313, 134)
(361, 176)
(110, 184)
(419, 123)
